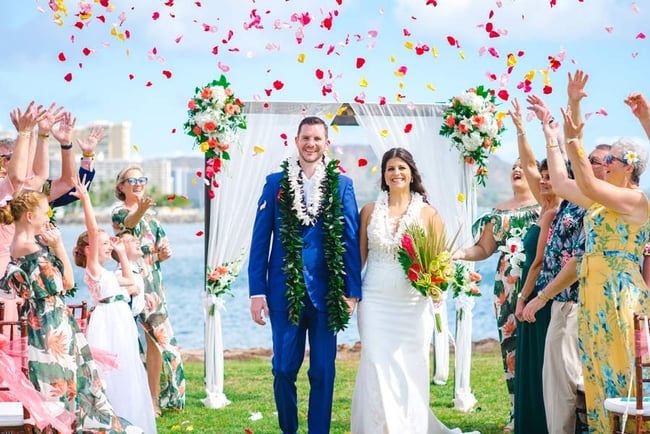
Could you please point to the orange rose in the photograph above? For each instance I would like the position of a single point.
(228, 91)
(206, 93)
(191, 104)
(451, 121)
(210, 126)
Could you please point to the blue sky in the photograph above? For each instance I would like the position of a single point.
(603, 37)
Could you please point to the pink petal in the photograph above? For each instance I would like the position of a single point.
(155, 16)
(223, 67)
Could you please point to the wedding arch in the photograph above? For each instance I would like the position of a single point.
(269, 138)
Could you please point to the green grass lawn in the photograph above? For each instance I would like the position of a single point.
(248, 384)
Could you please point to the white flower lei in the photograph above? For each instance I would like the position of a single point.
(390, 242)
(307, 214)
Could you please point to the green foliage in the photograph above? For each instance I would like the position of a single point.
(249, 385)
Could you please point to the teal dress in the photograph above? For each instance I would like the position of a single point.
(530, 417)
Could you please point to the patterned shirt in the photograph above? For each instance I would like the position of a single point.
(566, 239)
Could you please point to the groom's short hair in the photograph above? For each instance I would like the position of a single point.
(312, 120)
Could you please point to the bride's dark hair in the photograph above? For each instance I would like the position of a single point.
(404, 155)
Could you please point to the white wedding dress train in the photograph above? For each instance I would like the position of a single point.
(391, 393)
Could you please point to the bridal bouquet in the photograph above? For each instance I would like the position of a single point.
(474, 126)
(214, 116)
(425, 257)
(218, 282)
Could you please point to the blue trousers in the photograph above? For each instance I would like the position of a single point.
(288, 355)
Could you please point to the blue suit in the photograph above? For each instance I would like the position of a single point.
(265, 277)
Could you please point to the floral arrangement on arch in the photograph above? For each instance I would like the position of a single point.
(214, 116)
(474, 126)
(218, 282)
(465, 281)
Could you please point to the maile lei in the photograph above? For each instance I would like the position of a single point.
(294, 214)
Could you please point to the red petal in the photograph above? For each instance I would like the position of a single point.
(319, 74)
(268, 92)
(360, 62)
(277, 84)
(62, 57)
(215, 50)
(68, 77)
(149, 84)
(406, 32)
(547, 90)
(167, 74)
(362, 162)
(640, 36)
(172, 197)
(155, 16)
(283, 136)
(86, 51)
(131, 76)
(503, 94)
(102, 18)
(173, 130)
(408, 128)
(451, 40)
(79, 25)
(199, 234)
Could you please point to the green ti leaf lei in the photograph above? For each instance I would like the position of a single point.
(331, 212)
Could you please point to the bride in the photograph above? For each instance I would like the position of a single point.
(391, 394)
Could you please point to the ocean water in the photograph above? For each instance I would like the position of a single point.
(183, 276)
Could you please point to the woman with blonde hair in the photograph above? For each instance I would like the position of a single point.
(137, 215)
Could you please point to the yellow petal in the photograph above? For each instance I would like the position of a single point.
(401, 85)
(434, 51)
(114, 31)
(363, 82)
(461, 53)
(128, 52)
(301, 58)
(530, 75)
(512, 60)
(193, 181)
(460, 197)
(135, 148)
(501, 115)
(258, 149)
(430, 87)
(384, 133)
(408, 45)
(335, 128)
(374, 169)
(392, 59)
(329, 115)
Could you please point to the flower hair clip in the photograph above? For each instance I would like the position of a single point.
(630, 157)
(5, 200)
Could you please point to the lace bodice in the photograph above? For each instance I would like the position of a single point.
(385, 233)
(106, 285)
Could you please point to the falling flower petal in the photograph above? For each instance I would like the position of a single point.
(62, 57)
(460, 197)
(301, 58)
(602, 111)
(360, 62)
(68, 77)
(408, 127)
(155, 16)
(373, 170)
(199, 234)
(135, 148)
(635, 8)
(384, 133)
(131, 76)
(640, 36)
(362, 162)
(609, 29)
(223, 67)
(503, 94)
(363, 82)
(167, 74)
(430, 87)
(277, 85)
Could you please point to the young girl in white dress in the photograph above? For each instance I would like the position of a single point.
(111, 327)
(391, 393)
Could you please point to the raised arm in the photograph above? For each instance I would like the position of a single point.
(41, 158)
(526, 155)
(575, 92)
(563, 186)
(92, 256)
(630, 203)
(24, 123)
(640, 109)
(63, 135)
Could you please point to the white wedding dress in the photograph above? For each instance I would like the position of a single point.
(391, 394)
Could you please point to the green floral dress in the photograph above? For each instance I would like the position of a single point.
(612, 289)
(156, 321)
(509, 229)
(61, 366)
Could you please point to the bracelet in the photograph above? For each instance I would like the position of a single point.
(88, 154)
(523, 133)
(552, 146)
(26, 134)
(572, 139)
(522, 297)
(44, 136)
(66, 147)
(542, 296)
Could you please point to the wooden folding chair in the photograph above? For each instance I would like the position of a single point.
(14, 417)
(80, 313)
(637, 407)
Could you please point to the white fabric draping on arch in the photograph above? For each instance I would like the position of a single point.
(444, 176)
(232, 211)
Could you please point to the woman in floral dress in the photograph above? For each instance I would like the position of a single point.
(61, 366)
(168, 390)
(612, 288)
(503, 229)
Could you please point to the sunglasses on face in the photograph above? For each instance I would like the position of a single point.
(595, 161)
(609, 158)
(133, 181)
(6, 156)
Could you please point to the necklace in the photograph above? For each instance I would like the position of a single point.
(389, 232)
(293, 216)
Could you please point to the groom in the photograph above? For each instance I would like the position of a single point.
(310, 283)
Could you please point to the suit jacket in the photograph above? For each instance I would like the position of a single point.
(265, 276)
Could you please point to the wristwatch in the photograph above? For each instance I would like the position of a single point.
(522, 297)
